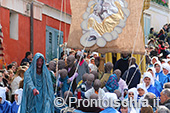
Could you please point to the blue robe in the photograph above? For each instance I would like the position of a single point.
(162, 78)
(109, 110)
(153, 90)
(158, 85)
(5, 107)
(168, 76)
(65, 85)
(14, 107)
(44, 101)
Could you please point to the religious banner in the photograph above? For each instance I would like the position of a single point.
(107, 26)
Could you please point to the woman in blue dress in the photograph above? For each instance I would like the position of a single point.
(147, 81)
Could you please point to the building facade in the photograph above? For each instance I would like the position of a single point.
(156, 16)
(51, 23)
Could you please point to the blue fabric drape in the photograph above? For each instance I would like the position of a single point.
(31, 103)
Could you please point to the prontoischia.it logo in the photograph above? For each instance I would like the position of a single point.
(104, 103)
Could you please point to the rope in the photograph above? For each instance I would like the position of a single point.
(135, 41)
(76, 69)
(60, 27)
(58, 48)
(67, 109)
(137, 69)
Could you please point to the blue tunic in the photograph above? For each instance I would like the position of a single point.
(65, 85)
(44, 101)
(15, 107)
(109, 110)
(162, 78)
(5, 107)
(158, 85)
(168, 76)
(153, 90)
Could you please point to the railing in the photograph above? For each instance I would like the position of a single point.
(161, 2)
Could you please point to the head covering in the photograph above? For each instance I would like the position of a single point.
(148, 74)
(153, 70)
(168, 55)
(79, 53)
(166, 66)
(168, 60)
(19, 92)
(158, 63)
(142, 87)
(109, 95)
(134, 90)
(30, 82)
(95, 53)
(165, 60)
(154, 58)
(2, 94)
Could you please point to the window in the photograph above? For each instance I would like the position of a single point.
(13, 25)
(147, 25)
(53, 41)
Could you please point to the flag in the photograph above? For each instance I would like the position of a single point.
(128, 36)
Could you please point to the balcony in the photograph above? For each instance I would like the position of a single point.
(161, 2)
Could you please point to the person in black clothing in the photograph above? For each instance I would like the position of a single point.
(132, 75)
(28, 58)
(122, 64)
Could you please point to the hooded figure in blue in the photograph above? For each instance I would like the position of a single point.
(16, 104)
(154, 81)
(148, 82)
(159, 76)
(38, 93)
(5, 106)
(166, 70)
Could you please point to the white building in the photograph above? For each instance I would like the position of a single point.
(156, 16)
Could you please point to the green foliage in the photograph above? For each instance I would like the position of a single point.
(160, 2)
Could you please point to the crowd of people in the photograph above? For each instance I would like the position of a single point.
(33, 85)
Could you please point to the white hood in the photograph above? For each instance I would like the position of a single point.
(19, 92)
(2, 94)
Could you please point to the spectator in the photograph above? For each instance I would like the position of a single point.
(15, 81)
(151, 98)
(162, 109)
(28, 58)
(82, 68)
(5, 106)
(146, 109)
(122, 64)
(132, 75)
(165, 98)
(147, 81)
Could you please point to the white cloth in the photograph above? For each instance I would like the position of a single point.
(134, 91)
(93, 67)
(101, 93)
(149, 75)
(19, 92)
(132, 109)
(154, 58)
(166, 66)
(2, 94)
(15, 84)
(122, 86)
(109, 96)
(142, 87)
(158, 63)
